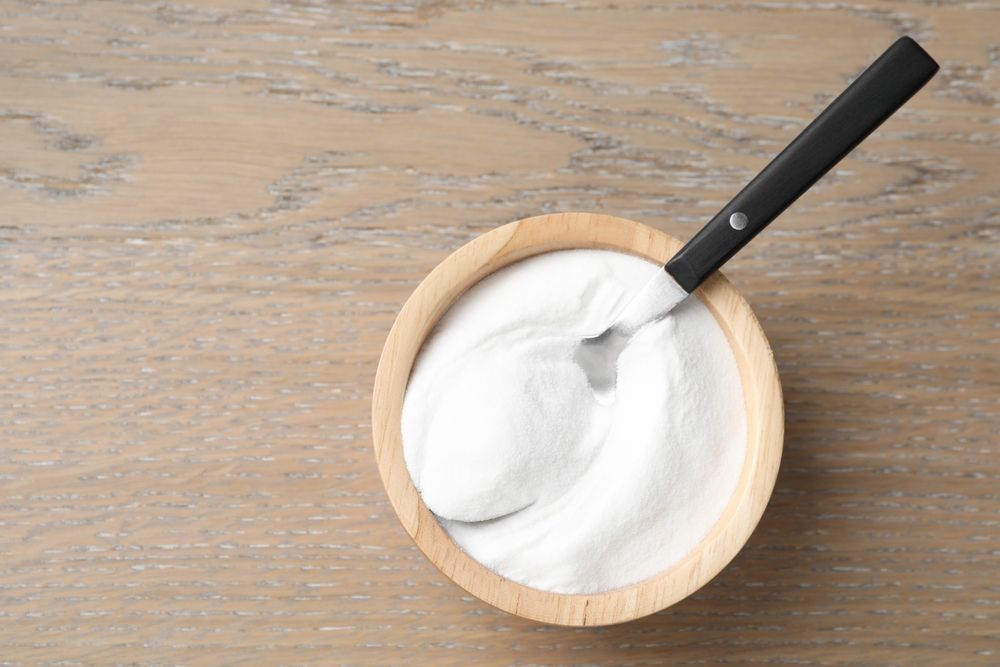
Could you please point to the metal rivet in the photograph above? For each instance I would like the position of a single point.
(738, 220)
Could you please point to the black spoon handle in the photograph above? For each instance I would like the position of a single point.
(874, 96)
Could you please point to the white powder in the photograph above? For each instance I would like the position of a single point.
(499, 421)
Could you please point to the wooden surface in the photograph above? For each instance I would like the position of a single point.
(212, 212)
(758, 373)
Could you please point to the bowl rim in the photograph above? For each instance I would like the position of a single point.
(765, 420)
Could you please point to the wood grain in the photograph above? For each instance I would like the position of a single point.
(212, 212)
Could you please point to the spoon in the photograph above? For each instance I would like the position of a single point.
(874, 96)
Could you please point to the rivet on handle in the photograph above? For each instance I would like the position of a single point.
(738, 220)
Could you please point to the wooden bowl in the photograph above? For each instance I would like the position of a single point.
(765, 420)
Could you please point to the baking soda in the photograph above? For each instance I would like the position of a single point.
(534, 477)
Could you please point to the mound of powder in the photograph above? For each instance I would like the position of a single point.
(534, 478)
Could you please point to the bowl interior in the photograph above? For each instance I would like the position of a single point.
(765, 420)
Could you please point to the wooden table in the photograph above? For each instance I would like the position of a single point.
(212, 212)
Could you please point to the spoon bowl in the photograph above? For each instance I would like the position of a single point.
(598, 355)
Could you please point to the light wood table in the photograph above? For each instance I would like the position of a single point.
(212, 211)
